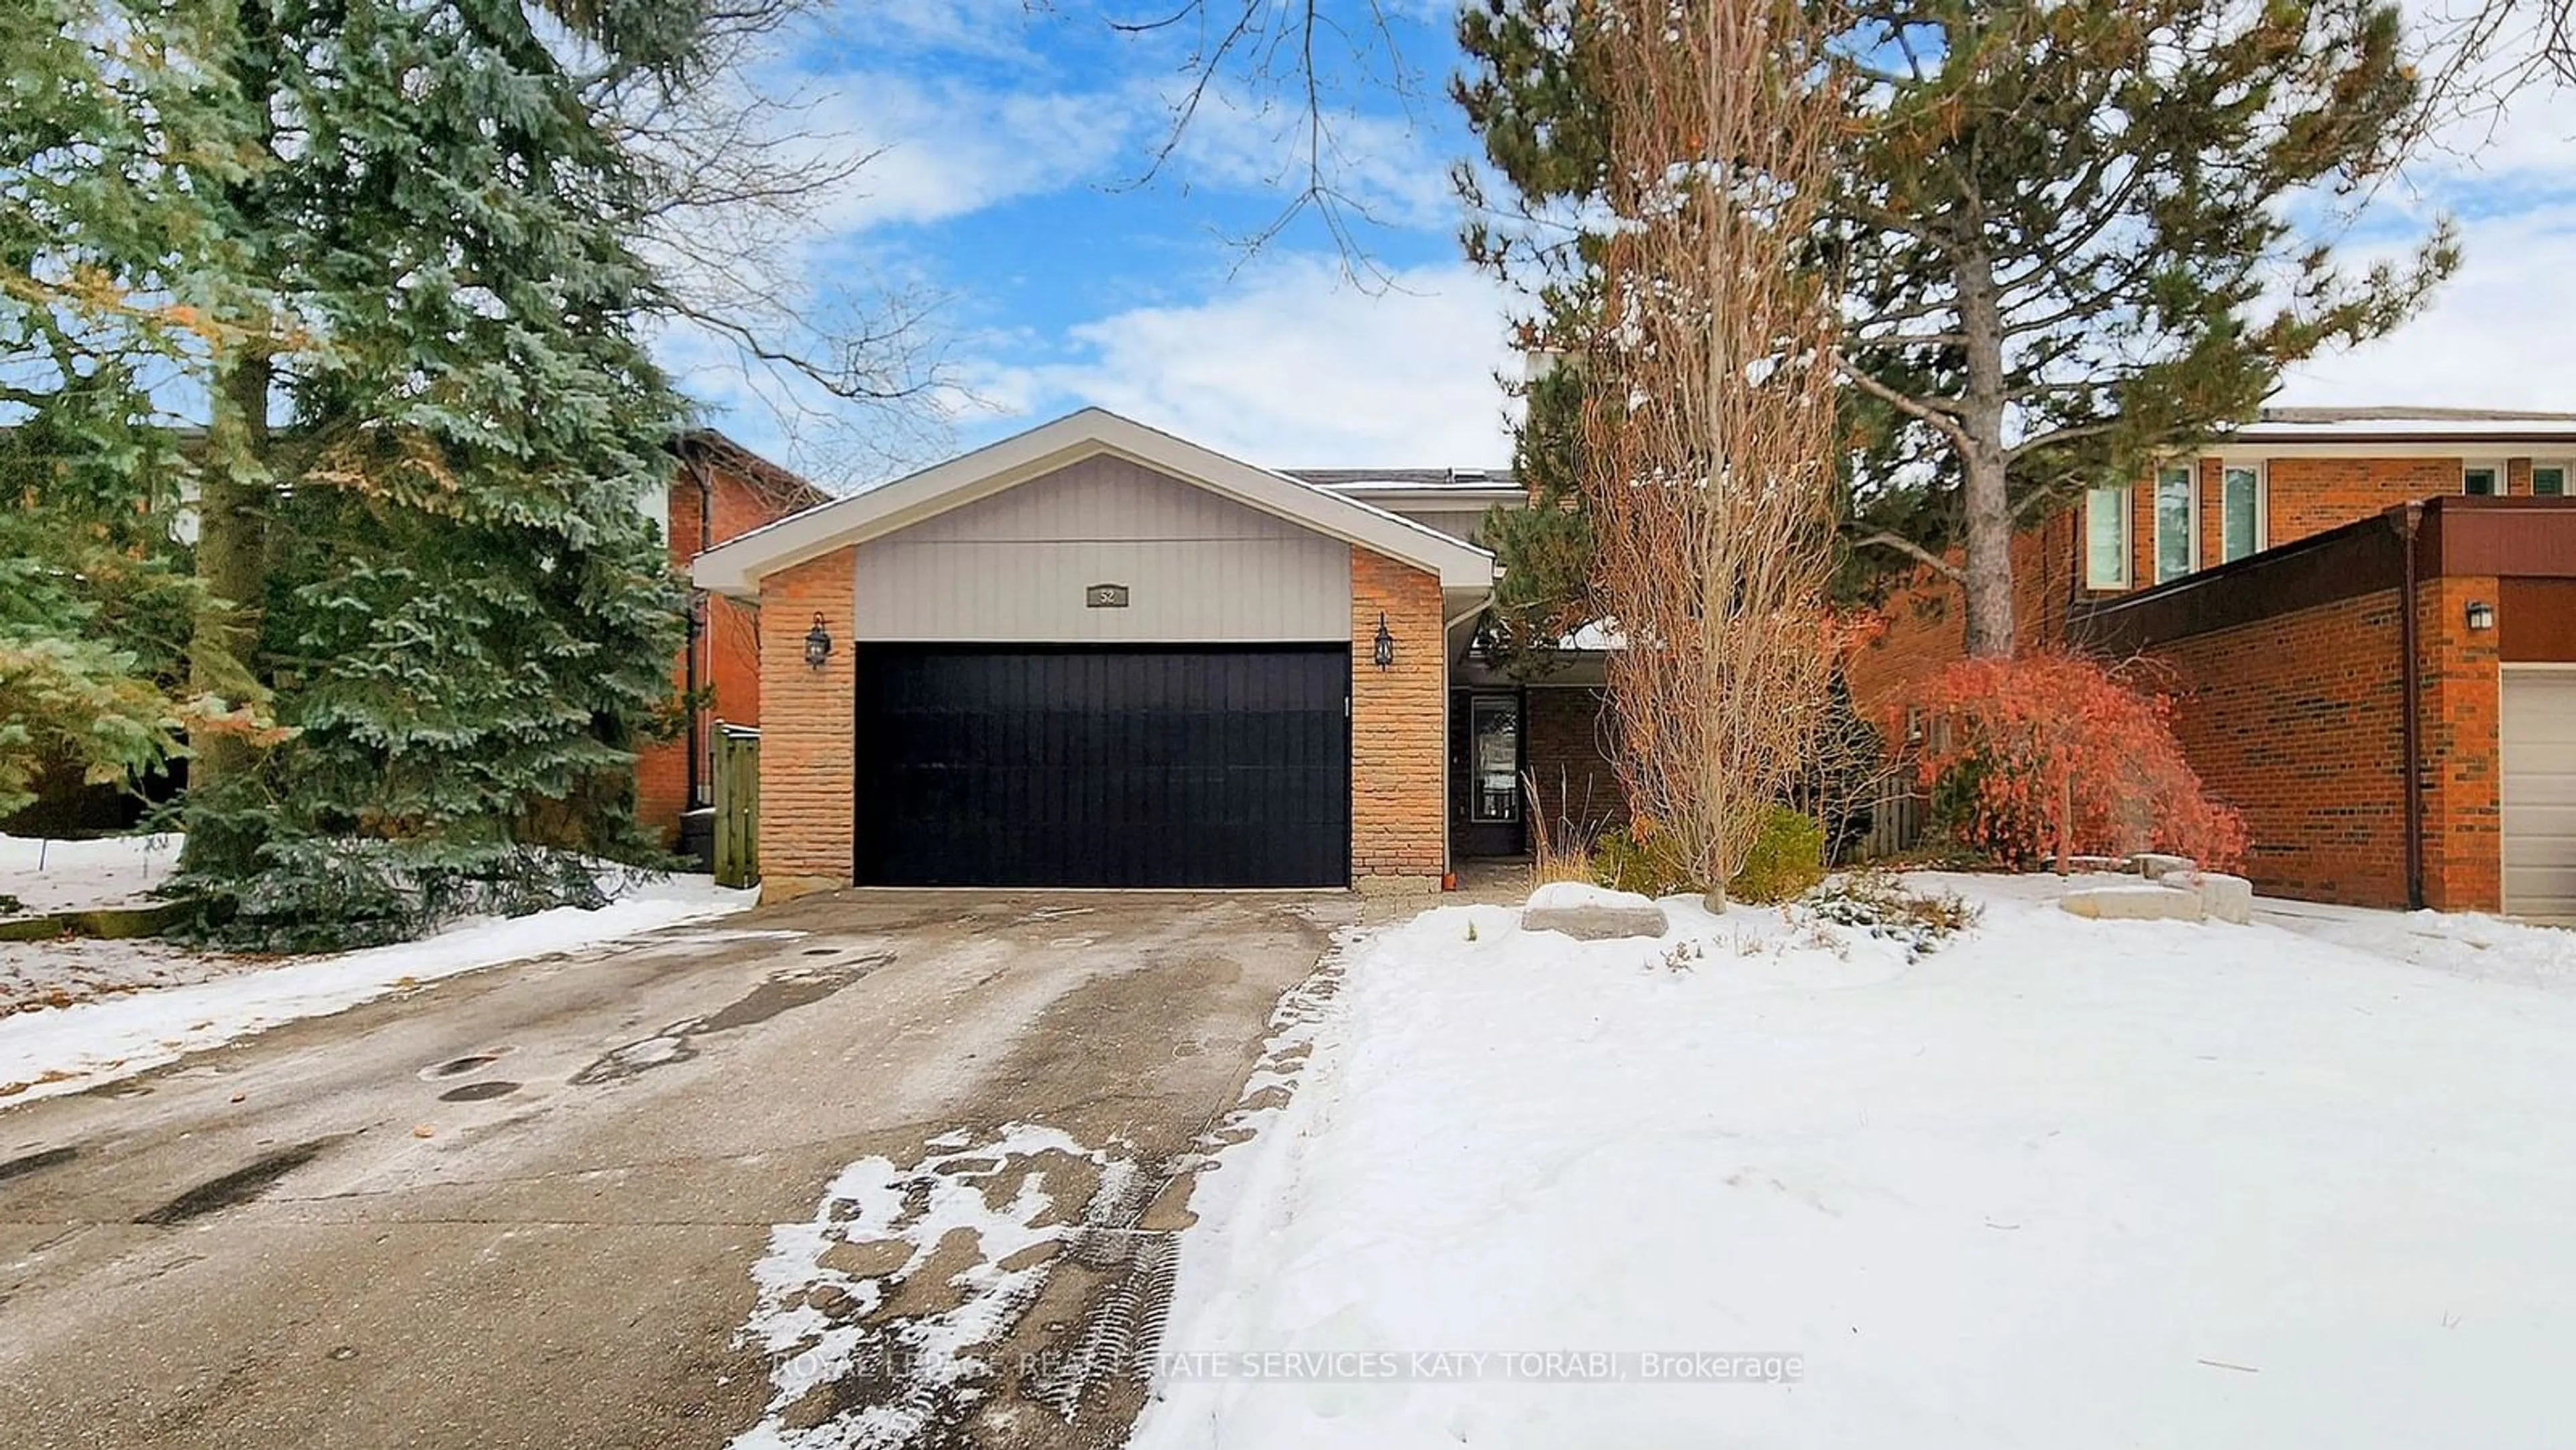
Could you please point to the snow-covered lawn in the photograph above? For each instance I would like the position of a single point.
(168, 1001)
(2062, 1183)
(50, 876)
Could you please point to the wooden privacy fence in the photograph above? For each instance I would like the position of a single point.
(1898, 811)
(737, 806)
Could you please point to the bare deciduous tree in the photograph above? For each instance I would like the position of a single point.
(1296, 57)
(1710, 426)
(740, 176)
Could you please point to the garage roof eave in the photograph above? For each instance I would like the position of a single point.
(737, 566)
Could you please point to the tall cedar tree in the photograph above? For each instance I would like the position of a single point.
(420, 501)
(113, 271)
(2064, 231)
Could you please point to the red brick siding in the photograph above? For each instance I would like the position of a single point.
(1927, 617)
(2462, 703)
(807, 749)
(1398, 722)
(2311, 495)
(729, 647)
(1565, 751)
(2296, 721)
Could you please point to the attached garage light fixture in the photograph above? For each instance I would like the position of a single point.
(2481, 614)
(818, 642)
(1385, 654)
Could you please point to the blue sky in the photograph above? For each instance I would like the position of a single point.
(1009, 178)
(1009, 141)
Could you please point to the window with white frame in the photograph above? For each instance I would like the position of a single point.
(2106, 538)
(2482, 480)
(2175, 546)
(2240, 511)
(2549, 480)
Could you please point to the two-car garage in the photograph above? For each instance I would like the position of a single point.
(1095, 655)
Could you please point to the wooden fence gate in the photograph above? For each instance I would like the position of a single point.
(737, 806)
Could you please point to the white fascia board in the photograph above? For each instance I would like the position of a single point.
(1426, 496)
(2242, 449)
(2446, 427)
(737, 566)
(2395, 439)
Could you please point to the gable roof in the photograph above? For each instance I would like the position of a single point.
(737, 566)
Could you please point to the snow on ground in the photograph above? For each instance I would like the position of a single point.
(2464, 944)
(879, 1228)
(2061, 1183)
(78, 875)
(52, 1050)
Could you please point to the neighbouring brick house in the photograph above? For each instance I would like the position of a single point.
(718, 490)
(2266, 582)
(1095, 654)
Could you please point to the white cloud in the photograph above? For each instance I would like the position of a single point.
(1290, 365)
(2495, 336)
(1383, 163)
(988, 28)
(945, 148)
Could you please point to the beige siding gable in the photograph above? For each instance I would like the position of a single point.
(1016, 566)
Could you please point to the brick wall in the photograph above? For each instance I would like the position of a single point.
(1927, 621)
(728, 646)
(2296, 722)
(2311, 495)
(662, 766)
(2293, 719)
(2462, 701)
(2303, 497)
(806, 746)
(1398, 722)
(1565, 751)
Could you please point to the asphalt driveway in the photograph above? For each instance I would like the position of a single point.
(522, 1207)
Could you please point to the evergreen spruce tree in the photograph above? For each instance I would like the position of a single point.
(113, 275)
(420, 513)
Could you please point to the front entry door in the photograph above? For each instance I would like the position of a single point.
(1486, 757)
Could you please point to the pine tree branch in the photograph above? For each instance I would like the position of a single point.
(2090, 302)
(2031, 502)
(1912, 550)
(1875, 340)
(2108, 210)
(2067, 434)
(1885, 220)
(1941, 422)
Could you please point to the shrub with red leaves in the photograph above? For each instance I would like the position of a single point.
(2050, 754)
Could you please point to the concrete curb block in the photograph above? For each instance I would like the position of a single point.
(2133, 903)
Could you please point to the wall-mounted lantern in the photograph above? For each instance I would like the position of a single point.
(818, 643)
(1385, 650)
(2481, 614)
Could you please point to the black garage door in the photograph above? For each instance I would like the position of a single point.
(1027, 766)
